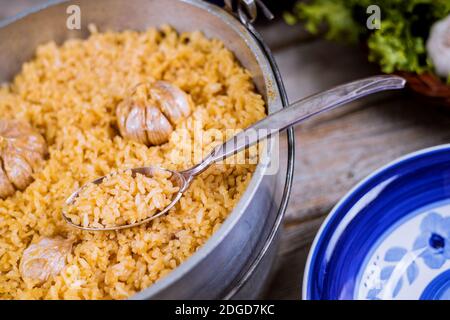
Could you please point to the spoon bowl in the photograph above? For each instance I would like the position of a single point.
(177, 178)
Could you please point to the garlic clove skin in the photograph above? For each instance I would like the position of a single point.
(22, 149)
(135, 124)
(438, 47)
(158, 128)
(151, 111)
(174, 103)
(17, 169)
(33, 158)
(44, 259)
(21, 134)
(122, 112)
(31, 146)
(13, 129)
(6, 187)
(32, 142)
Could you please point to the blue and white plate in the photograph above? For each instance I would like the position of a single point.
(389, 237)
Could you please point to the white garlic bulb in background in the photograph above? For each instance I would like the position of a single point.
(150, 113)
(438, 47)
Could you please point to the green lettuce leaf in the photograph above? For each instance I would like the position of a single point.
(400, 42)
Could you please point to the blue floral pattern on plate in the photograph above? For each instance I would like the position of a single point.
(432, 245)
(435, 239)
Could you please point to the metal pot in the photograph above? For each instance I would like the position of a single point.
(235, 262)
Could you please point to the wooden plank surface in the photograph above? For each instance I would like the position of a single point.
(336, 150)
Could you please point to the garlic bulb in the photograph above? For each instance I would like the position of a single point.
(438, 47)
(44, 259)
(22, 149)
(149, 114)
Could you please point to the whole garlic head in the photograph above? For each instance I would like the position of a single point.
(44, 259)
(22, 150)
(438, 46)
(152, 110)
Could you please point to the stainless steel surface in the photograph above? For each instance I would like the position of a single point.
(263, 129)
(211, 271)
(257, 276)
(253, 279)
(247, 10)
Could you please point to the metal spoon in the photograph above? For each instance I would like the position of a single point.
(272, 124)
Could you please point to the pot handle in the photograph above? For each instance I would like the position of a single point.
(247, 10)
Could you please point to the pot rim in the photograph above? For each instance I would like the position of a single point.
(272, 85)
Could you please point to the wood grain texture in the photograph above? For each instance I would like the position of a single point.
(336, 150)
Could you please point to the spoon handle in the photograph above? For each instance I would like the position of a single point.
(299, 111)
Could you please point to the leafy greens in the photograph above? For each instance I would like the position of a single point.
(400, 42)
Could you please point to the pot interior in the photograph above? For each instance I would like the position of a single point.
(21, 35)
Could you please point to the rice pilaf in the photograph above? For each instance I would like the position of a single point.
(69, 93)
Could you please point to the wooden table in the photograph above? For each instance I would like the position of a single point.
(336, 150)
